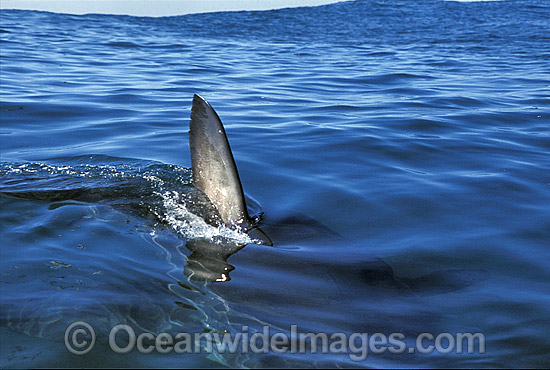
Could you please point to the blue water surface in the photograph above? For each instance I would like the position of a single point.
(405, 145)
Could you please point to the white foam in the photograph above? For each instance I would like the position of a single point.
(194, 227)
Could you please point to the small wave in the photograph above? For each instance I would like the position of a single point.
(122, 44)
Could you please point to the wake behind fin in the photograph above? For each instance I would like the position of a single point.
(214, 168)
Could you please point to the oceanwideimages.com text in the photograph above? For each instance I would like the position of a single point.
(80, 339)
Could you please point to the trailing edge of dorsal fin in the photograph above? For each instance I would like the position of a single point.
(214, 169)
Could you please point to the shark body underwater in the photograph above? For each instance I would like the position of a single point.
(279, 280)
(214, 195)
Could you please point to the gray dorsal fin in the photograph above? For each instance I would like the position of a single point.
(214, 169)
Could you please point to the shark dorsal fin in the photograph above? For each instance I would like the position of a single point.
(214, 169)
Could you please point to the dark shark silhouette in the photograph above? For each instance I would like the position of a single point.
(216, 195)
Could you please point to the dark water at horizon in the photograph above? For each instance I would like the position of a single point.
(405, 145)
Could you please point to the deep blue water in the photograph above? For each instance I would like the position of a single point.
(417, 131)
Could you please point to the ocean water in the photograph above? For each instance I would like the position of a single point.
(399, 152)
